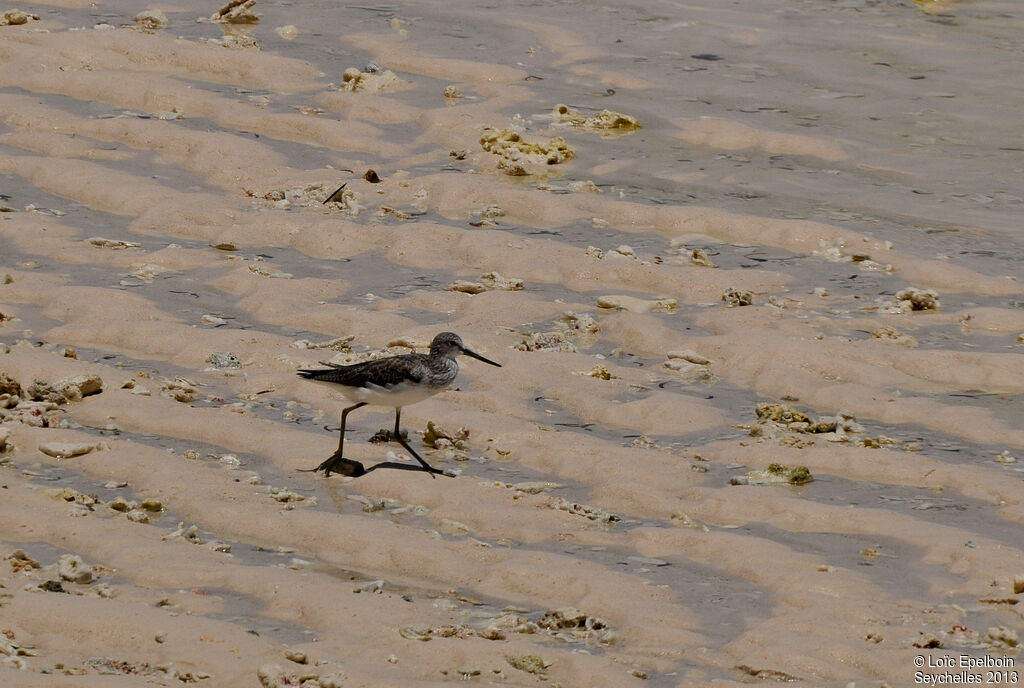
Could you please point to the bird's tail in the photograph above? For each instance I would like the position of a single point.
(317, 374)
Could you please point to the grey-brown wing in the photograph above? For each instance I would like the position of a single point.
(383, 372)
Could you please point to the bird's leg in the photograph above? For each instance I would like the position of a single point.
(398, 436)
(344, 415)
(337, 463)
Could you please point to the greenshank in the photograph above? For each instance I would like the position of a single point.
(393, 381)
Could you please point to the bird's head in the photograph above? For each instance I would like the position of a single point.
(450, 345)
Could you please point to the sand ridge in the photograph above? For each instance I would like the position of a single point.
(164, 207)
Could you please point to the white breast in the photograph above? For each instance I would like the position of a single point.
(399, 395)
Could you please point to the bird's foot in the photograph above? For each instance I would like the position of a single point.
(338, 464)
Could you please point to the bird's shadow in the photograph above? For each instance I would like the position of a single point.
(355, 469)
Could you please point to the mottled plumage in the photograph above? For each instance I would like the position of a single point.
(394, 381)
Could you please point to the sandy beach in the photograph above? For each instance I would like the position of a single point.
(752, 271)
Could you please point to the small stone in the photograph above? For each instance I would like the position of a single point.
(776, 473)
(684, 520)
(452, 92)
(519, 157)
(466, 671)
(52, 586)
(410, 633)
(151, 20)
(336, 680)
(9, 385)
(535, 487)
(376, 586)
(564, 617)
(16, 18)
(737, 297)
(272, 676)
(71, 495)
(371, 176)
(436, 437)
(64, 450)
(494, 280)
(636, 305)
(152, 505)
(690, 356)
(112, 243)
(466, 287)
(137, 516)
(224, 359)
(1002, 638)
(1018, 585)
(191, 533)
(492, 212)
(531, 664)
(604, 122)
(492, 633)
(79, 386)
(71, 568)
(592, 513)
(284, 495)
(41, 390)
(160, 637)
(297, 656)
(699, 256)
(120, 504)
(602, 373)
(546, 341)
(21, 560)
(914, 299)
(888, 333)
(236, 12)
(647, 561)
(180, 389)
(288, 32)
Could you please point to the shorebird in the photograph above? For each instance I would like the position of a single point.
(393, 381)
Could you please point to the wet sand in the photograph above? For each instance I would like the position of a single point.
(807, 255)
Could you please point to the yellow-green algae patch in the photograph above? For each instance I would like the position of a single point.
(518, 156)
(606, 122)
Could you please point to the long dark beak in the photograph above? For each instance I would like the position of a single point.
(473, 354)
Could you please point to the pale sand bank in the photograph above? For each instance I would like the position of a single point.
(849, 172)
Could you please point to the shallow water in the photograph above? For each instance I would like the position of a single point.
(859, 147)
